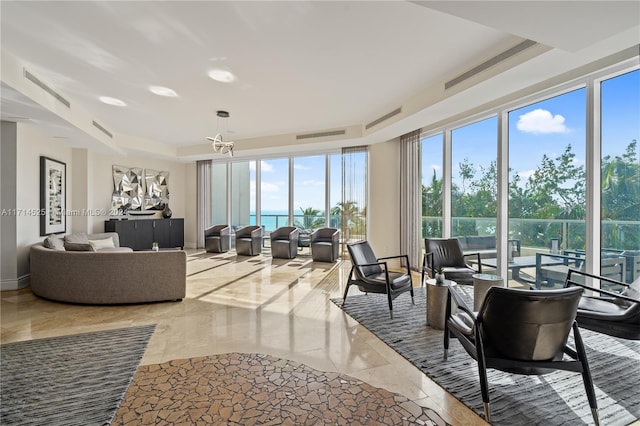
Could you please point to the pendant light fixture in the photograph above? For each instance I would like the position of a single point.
(219, 141)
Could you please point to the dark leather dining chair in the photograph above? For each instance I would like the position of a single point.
(613, 313)
(284, 242)
(325, 245)
(372, 275)
(447, 253)
(249, 240)
(217, 239)
(521, 332)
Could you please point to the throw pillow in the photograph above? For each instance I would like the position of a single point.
(76, 238)
(53, 242)
(78, 246)
(102, 244)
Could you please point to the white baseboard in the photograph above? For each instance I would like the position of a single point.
(15, 283)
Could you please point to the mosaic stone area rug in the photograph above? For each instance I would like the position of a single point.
(69, 380)
(557, 398)
(255, 389)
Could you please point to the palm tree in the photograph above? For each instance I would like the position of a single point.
(310, 218)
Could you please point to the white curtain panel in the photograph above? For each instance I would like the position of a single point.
(354, 203)
(410, 198)
(203, 216)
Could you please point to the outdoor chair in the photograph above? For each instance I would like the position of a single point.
(325, 245)
(284, 242)
(372, 274)
(521, 332)
(447, 253)
(611, 313)
(249, 240)
(217, 239)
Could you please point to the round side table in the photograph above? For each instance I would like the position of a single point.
(481, 285)
(437, 302)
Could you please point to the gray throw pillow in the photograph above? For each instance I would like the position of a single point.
(80, 237)
(53, 242)
(78, 246)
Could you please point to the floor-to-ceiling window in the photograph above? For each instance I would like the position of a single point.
(309, 187)
(274, 190)
(620, 176)
(431, 169)
(547, 187)
(474, 179)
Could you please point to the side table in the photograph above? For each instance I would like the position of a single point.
(481, 285)
(437, 302)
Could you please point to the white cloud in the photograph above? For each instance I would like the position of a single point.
(269, 187)
(266, 167)
(541, 121)
(300, 167)
(313, 182)
(436, 167)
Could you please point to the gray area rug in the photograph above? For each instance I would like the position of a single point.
(557, 398)
(69, 380)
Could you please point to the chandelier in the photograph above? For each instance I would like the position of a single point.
(219, 141)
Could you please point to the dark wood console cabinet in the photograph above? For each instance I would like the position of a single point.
(140, 234)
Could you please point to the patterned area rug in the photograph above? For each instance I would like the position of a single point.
(557, 398)
(69, 380)
(255, 389)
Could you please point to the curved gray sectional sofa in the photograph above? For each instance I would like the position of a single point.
(116, 275)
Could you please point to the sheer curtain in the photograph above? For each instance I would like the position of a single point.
(203, 182)
(355, 182)
(410, 198)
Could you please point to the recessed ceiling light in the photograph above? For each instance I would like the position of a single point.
(222, 76)
(112, 101)
(163, 91)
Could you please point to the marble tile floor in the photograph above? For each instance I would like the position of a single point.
(243, 304)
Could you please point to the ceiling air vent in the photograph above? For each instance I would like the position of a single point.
(102, 129)
(383, 118)
(321, 134)
(35, 80)
(491, 62)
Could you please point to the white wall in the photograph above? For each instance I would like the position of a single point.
(384, 198)
(101, 185)
(31, 145)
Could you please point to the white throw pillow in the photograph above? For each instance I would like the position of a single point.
(102, 244)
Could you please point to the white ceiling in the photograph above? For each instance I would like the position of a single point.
(301, 66)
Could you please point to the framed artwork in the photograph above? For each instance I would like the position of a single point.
(53, 196)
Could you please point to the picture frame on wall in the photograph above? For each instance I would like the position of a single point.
(53, 196)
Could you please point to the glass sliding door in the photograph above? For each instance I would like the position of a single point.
(620, 164)
(274, 193)
(547, 193)
(474, 184)
(431, 169)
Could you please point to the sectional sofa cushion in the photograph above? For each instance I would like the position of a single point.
(106, 243)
